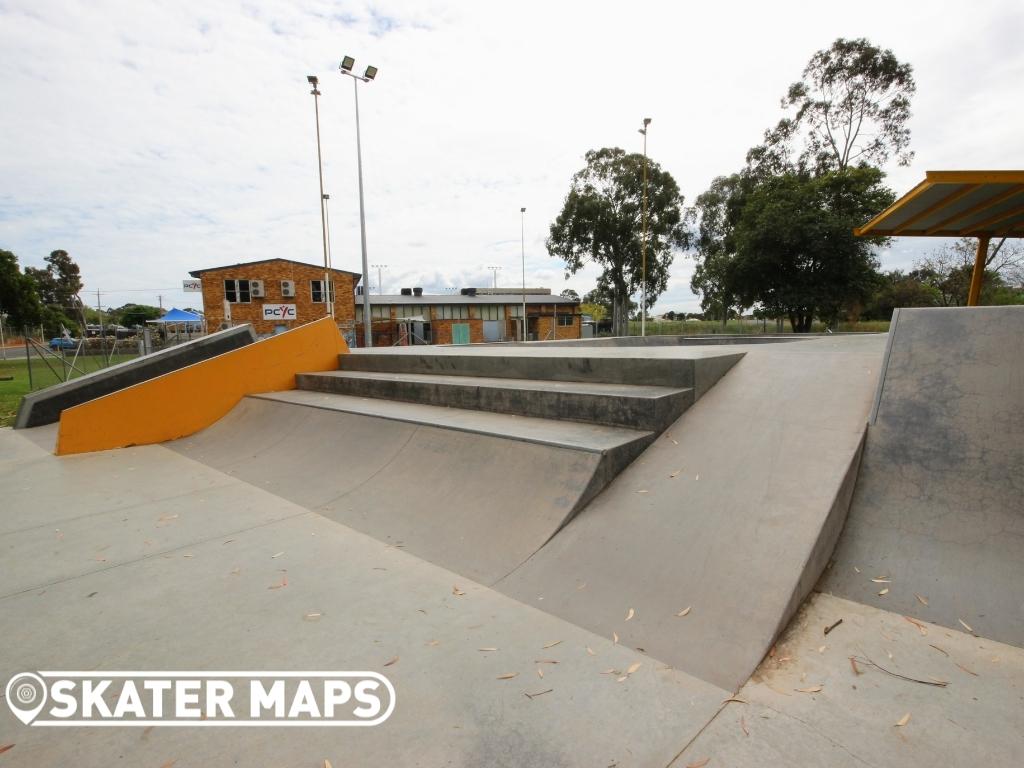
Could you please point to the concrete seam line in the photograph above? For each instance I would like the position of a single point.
(873, 416)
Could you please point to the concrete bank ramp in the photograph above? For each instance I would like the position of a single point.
(939, 505)
(45, 405)
(475, 492)
(732, 513)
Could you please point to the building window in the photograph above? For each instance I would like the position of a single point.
(236, 291)
(515, 310)
(565, 319)
(491, 312)
(316, 290)
(452, 311)
(377, 312)
(413, 310)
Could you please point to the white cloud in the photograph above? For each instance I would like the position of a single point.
(149, 139)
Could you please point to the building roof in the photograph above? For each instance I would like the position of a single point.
(198, 272)
(449, 298)
(955, 204)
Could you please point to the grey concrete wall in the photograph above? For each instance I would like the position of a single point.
(45, 405)
(938, 508)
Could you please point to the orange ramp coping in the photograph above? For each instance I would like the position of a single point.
(185, 401)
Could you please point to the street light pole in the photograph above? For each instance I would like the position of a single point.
(330, 257)
(494, 273)
(345, 68)
(314, 81)
(380, 285)
(643, 242)
(522, 240)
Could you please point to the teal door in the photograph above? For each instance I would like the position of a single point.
(460, 333)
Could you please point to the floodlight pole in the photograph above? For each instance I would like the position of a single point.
(643, 241)
(367, 320)
(522, 240)
(314, 81)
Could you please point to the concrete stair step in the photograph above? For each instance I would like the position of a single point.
(609, 366)
(593, 438)
(642, 407)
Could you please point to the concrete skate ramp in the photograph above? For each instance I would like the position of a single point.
(939, 505)
(478, 504)
(732, 512)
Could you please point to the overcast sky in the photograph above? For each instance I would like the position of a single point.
(150, 139)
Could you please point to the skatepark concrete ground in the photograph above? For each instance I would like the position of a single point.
(206, 554)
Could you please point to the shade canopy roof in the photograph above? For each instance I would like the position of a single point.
(955, 204)
(179, 316)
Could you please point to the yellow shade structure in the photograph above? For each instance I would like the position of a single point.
(981, 204)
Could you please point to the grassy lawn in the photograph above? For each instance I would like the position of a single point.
(12, 391)
(702, 327)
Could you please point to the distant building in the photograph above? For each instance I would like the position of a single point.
(473, 316)
(275, 295)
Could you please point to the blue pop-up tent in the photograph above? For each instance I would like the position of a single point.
(179, 316)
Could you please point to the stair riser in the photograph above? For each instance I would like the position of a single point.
(665, 372)
(613, 410)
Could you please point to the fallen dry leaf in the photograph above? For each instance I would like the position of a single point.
(856, 569)
(622, 679)
(611, 672)
(581, 586)
(544, 661)
(284, 583)
(389, 662)
(434, 643)
(641, 491)
(675, 442)
(508, 676)
(551, 645)
(274, 557)
(634, 667)
(6, 747)
(938, 649)
(699, 763)
(812, 689)
(327, 763)
(615, 638)
(489, 648)
(457, 591)
(312, 617)
(630, 615)
(685, 611)
(853, 666)
(903, 721)
(966, 626)
(921, 600)
(743, 725)
(540, 672)
(884, 592)
(821, 648)
(965, 669)
(885, 580)
(591, 651)
(736, 699)
(676, 473)
(921, 627)
(532, 696)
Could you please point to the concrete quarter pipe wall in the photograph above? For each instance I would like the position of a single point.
(939, 504)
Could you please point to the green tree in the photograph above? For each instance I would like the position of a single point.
(948, 270)
(796, 254)
(19, 297)
(569, 293)
(131, 315)
(717, 210)
(895, 289)
(601, 222)
(59, 284)
(851, 107)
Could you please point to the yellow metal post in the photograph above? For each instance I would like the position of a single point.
(979, 271)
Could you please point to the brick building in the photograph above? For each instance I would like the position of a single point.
(476, 315)
(275, 295)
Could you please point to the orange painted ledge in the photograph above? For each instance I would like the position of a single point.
(185, 401)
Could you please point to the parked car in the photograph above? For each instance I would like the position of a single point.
(62, 343)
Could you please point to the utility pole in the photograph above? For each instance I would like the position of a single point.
(522, 241)
(643, 242)
(494, 272)
(103, 335)
(380, 284)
